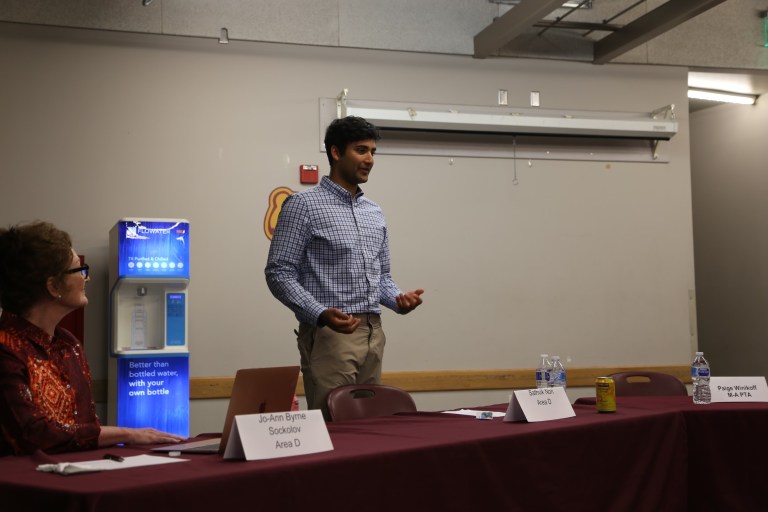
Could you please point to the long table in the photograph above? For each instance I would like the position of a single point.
(643, 457)
(727, 450)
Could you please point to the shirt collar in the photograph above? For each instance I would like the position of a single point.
(338, 190)
(25, 329)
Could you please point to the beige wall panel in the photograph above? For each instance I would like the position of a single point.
(589, 260)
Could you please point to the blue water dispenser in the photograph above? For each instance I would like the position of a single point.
(148, 313)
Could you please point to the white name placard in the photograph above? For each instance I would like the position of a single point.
(738, 389)
(279, 434)
(542, 404)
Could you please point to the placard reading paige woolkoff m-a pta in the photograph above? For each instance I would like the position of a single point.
(738, 389)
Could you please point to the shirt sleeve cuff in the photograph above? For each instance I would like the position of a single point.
(312, 316)
(88, 437)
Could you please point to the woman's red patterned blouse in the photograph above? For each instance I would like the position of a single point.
(45, 391)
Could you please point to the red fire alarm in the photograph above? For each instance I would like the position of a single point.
(308, 174)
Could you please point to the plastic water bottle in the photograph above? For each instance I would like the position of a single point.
(557, 379)
(700, 378)
(543, 371)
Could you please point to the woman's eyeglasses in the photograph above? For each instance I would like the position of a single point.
(83, 271)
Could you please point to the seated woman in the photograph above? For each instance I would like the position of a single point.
(45, 382)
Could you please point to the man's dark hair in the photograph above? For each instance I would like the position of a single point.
(346, 130)
(29, 255)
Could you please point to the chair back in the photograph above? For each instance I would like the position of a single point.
(355, 401)
(641, 383)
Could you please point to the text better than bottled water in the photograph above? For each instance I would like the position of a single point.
(148, 378)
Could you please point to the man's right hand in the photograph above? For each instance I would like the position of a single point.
(339, 321)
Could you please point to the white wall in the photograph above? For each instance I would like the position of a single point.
(591, 260)
(730, 186)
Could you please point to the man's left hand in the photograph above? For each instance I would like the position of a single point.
(407, 302)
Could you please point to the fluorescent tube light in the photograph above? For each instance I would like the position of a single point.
(572, 3)
(722, 96)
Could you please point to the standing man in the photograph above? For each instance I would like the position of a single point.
(329, 263)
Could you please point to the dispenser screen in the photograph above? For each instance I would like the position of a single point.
(175, 319)
(153, 249)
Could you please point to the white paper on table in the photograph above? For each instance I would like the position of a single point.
(474, 413)
(89, 466)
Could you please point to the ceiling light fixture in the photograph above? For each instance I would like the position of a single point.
(722, 96)
(584, 4)
(573, 3)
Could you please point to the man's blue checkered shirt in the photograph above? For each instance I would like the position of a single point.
(330, 250)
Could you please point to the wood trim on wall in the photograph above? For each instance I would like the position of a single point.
(435, 380)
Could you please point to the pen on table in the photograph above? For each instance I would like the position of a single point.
(115, 458)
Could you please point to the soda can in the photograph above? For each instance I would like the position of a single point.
(605, 390)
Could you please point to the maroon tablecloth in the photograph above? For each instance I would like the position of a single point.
(727, 450)
(633, 460)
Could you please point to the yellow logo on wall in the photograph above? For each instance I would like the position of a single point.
(276, 198)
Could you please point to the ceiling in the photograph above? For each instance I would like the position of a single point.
(610, 29)
(600, 31)
(721, 42)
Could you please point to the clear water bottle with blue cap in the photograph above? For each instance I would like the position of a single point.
(557, 379)
(700, 379)
(543, 371)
